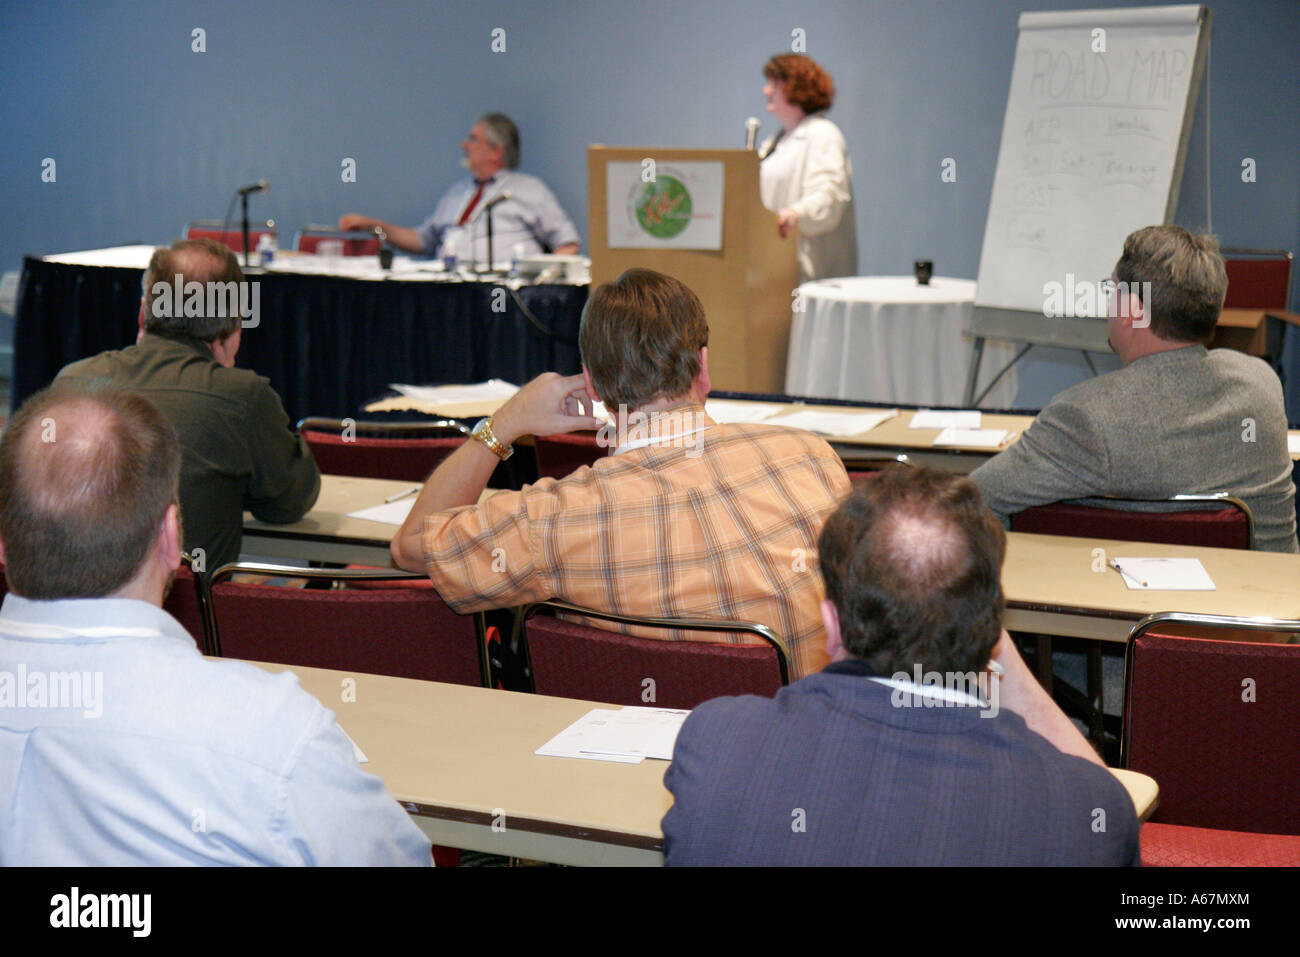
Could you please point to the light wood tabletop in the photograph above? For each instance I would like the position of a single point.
(326, 533)
(461, 761)
(890, 436)
(1056, 585)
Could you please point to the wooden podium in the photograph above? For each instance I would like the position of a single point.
(747, 286)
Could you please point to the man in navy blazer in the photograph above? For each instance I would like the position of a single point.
(926, 741)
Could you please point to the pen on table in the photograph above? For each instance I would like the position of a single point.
(1115, 565)
(413, 490)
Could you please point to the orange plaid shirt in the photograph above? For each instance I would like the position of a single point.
(723, 524)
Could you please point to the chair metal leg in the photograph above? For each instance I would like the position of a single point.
(1097, 714)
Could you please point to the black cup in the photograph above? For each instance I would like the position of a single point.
(385, 257)
(924, 269)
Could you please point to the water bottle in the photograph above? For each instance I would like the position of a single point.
(266, 249)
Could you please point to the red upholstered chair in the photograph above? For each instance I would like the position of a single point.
(186, 603)
(560, 455)
(391, 450)
(1212, 521)
(869, 466)
(1170, 845)
(224, 233)
(355, 243)
(1257, 278)
(1222, 522)
(1217, 724)
(404, 632)
(578, 660)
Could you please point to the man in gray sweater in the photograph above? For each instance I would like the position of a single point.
(1177, 418)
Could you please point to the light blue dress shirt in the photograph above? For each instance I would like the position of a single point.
(121, 745)
(531, 218)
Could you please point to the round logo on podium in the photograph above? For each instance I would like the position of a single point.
(663, 208)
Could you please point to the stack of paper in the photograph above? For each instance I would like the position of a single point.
(837, 424)
(628, 736)
(730, 411)
(929, 419)
(971, 438)
(1163, 574)
(446, 394)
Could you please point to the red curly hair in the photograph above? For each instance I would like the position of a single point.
(803, 82)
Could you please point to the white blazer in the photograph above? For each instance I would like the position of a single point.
(809, 171)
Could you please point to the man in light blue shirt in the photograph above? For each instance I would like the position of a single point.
(529, 220)
(119, 743)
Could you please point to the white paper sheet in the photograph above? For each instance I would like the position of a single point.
(390, 513)
(972, 438)
(627, 736)
(838, 424)
(930, 419)
(1293, 443)
(727, 411)
(360, 755)
(478, 392)
(1164, 574)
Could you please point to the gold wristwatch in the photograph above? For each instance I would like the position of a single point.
(483, 432)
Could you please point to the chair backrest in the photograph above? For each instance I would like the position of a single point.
(232, 237)
(1222, 522)
(560, 455)
(1257, 278)
(354, 243)
(186, 601)
(1216, 722)
(576, 659)
(408, 451)
(404, 632)
(861, 466)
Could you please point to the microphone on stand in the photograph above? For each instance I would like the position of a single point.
(751, 132)
(487, 210)
(261, 186)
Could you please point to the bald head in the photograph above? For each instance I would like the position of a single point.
(912, 561)
(193, 260)
(86, 477)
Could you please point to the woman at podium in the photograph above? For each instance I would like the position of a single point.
(805, 176)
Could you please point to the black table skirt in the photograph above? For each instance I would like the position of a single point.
(327, 344)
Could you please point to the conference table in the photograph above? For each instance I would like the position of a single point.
(328, 342)
(1052, 583)
(461, 761)
(889, 439)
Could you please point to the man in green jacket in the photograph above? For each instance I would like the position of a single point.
(237, 449)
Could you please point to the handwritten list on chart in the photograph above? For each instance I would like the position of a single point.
(1090, 146)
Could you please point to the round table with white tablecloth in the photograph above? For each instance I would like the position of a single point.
(890, 339)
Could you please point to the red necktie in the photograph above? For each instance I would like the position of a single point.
(464, 217)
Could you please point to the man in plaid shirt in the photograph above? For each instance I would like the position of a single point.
(686, 518)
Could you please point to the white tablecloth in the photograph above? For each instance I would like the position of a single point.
(888, 339)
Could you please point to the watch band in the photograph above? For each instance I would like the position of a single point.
(483, 432)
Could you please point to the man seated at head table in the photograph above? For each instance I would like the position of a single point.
(119, 743)
(1176, 419)
(687, 517)
(237, 449)
(529, 219)
(926, 742)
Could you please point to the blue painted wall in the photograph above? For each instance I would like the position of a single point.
(147, 134)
